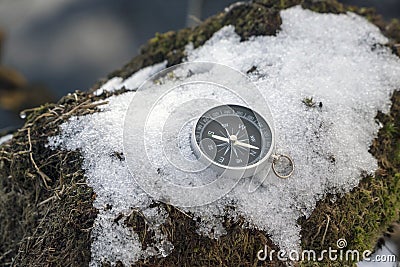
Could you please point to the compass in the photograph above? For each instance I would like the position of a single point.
(235, 140)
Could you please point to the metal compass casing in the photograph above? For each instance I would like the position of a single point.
(234, 140)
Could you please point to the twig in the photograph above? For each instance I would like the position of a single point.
(184, 213)
(55, 196)
(195, 19)
(317, 233)
(47, 200)
(138, 211)
(5, 254)
(84, 105)
(326, 229)
(45, 178)
(31, 236)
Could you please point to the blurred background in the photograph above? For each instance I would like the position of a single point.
(51, 47)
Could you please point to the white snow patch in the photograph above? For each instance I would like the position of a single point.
(132, 82)
(5, 138)
(332, 58)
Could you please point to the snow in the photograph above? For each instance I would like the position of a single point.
(337, 60)
(5, 138)
(132, 82)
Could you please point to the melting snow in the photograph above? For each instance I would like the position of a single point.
(132, 82)
(5, 138)
(337, 60)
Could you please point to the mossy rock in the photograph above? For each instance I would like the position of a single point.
(47, 208)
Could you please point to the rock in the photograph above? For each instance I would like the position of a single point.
(47, 207)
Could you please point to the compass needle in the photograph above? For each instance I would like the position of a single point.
(245, 145)
(220, 138)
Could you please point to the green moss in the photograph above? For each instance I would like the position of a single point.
(239, 248)
(46, 206)
(248, 19)
(390, 129)
(327, 6)
(397, 155)
(309, 102)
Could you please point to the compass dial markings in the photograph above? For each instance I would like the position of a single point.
(248, 141)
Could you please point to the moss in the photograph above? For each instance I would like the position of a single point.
(363, 214)
(309, 102)
(239, 248)
(397, 154)
(278, 5)
(327, 6)
(248, 19)
(47, 211)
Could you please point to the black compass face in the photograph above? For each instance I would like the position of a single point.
(233, 136)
